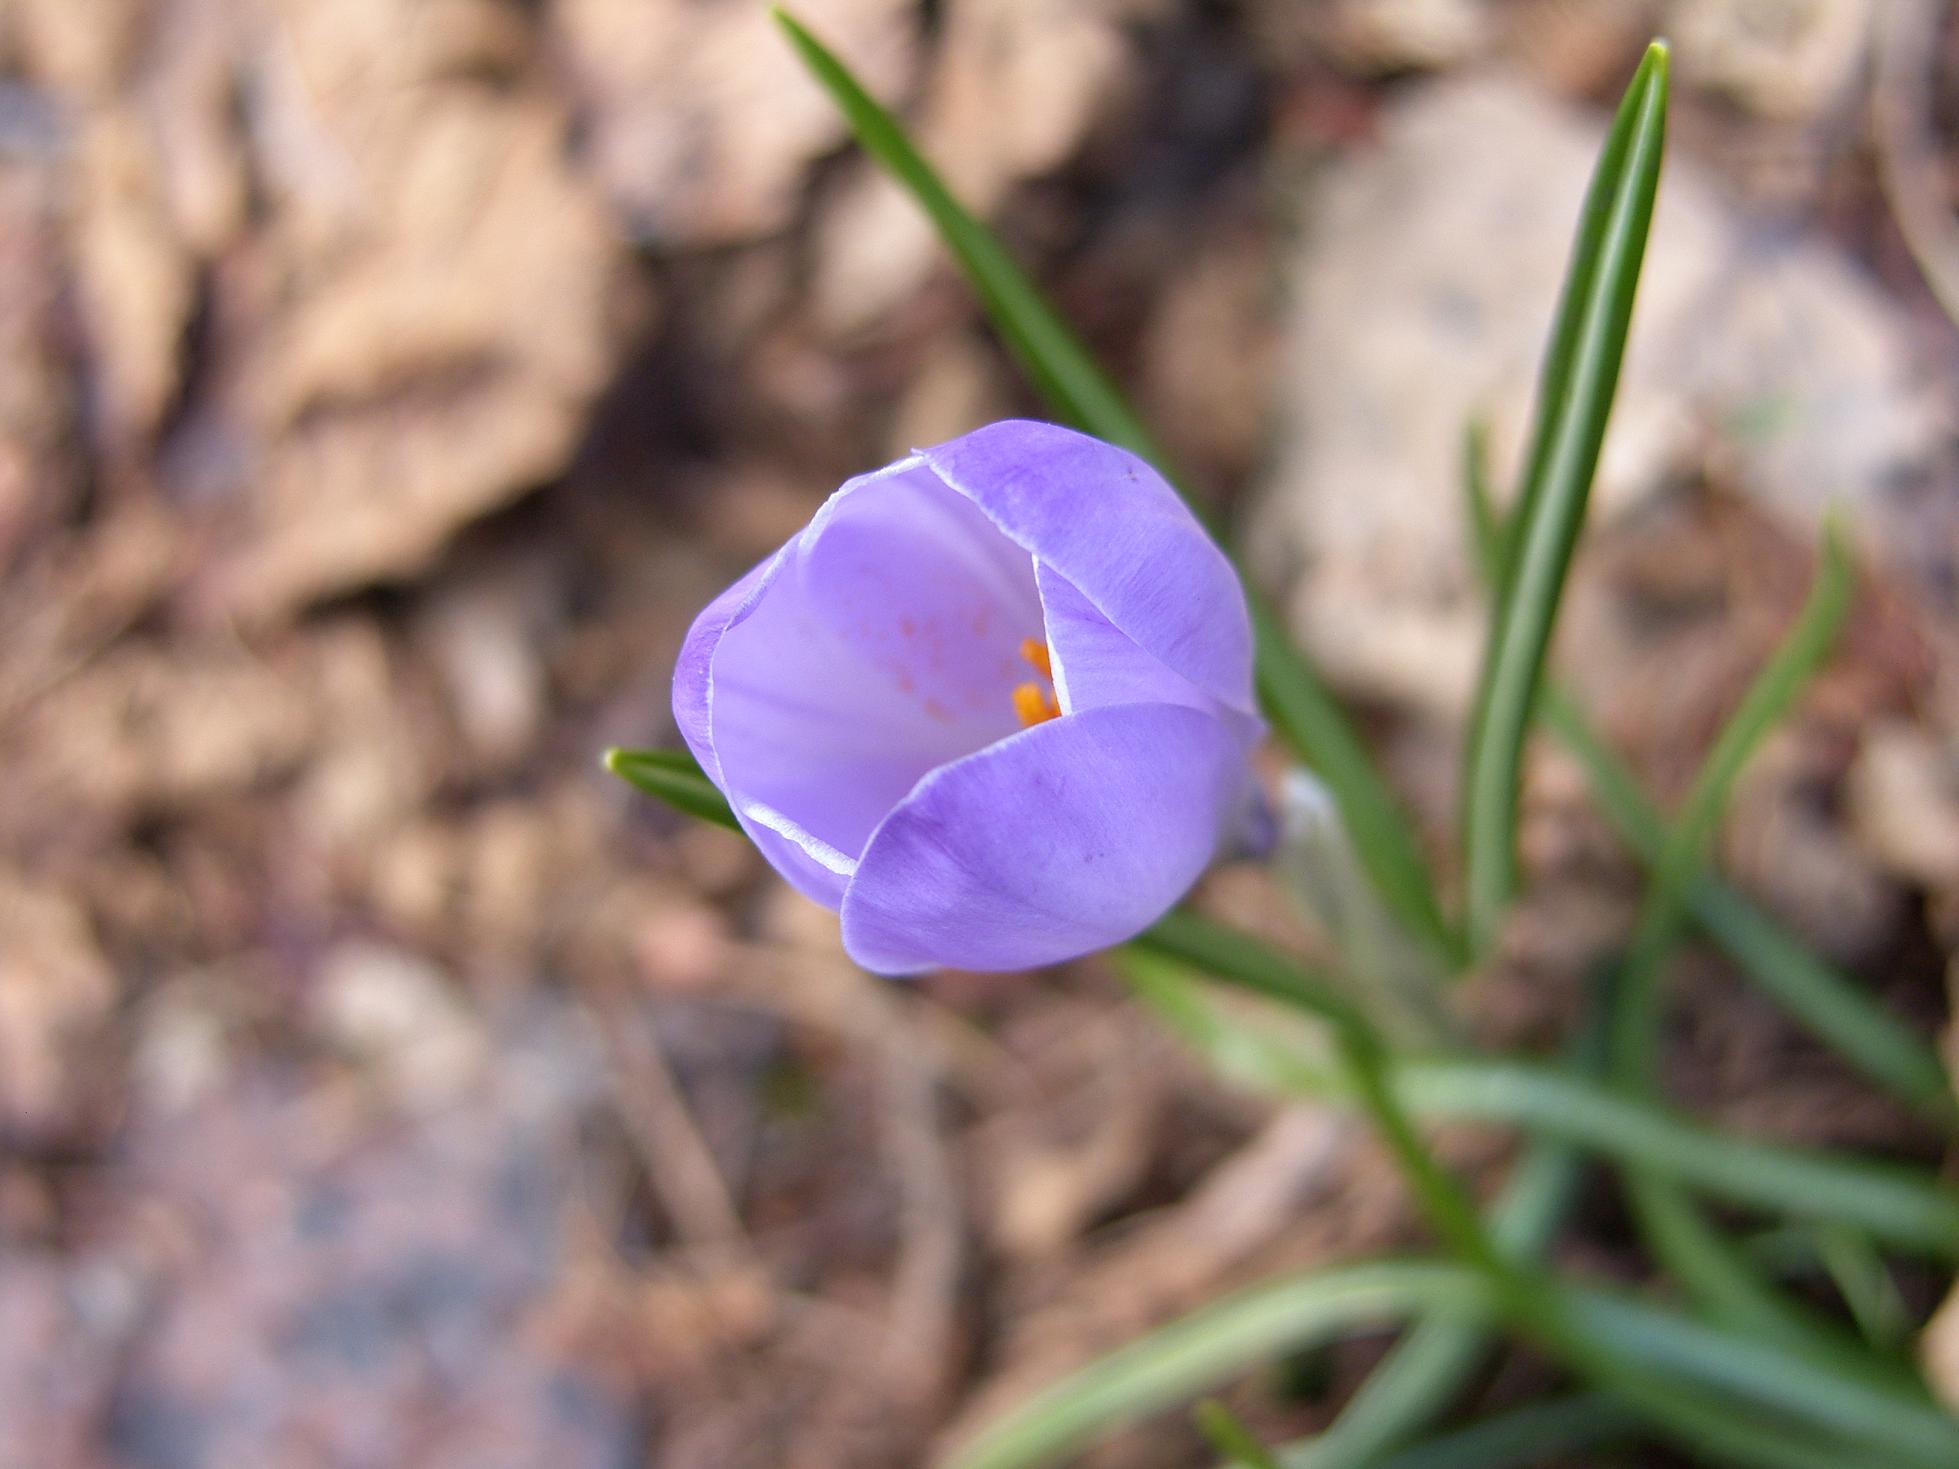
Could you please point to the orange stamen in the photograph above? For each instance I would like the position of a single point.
(1034, 705)
(1036, 653)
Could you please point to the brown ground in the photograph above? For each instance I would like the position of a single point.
(383, 385)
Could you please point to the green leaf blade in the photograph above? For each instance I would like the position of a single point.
(1819, 997)
(1191, 1356)
(1715, 1272)
(1581, 373)
(1895, 1203)
(1683, 849)
(1060, 368)
(1533, 1433)
(1768, 698)
(1306, 713)
(1186, 938)
(1719, 1380)
(1429, 1367)
(1901, 1205)
(1828, 1004)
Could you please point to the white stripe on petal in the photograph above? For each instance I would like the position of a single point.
(1057, 669)
(819, 850)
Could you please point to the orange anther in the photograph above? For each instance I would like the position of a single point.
(1036, 653)
(1034, 705)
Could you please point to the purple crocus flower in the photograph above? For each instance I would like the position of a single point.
(993, 704)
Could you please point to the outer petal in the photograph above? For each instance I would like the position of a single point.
(1097, 663)
(1067, 837)
(692, 670)
(879, 644)
(1113, 528)
(693, 713)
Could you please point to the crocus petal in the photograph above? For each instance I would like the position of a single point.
(692, 670)
(1110, 525)
(1096, 663)
(879, 644)
(806, 863)
(1068, 837)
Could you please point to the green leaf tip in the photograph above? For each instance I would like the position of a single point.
(1653, 77)
(1654, 71)
(793, 28)
(1578, 380)
(674, 777)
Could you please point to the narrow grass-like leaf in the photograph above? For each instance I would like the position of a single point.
(1828, 1004)
(1443, 1201)
(1744, 1367)
(1820, 998)
(673, 776)
(1411, 1387)
(1177, 1362)
(1864, 1281)
(1242, 1050)
(1065, 374)
(1684, 1241)
(1851, 1263)
(1305, 712)
(1223, 1340)
(1895, 1203)
(1581, 372)
(1415, 1382)
(1225, 1433)
(1868, 1404)
(1727, 1283)
(1366, 1063)
(1423, 1372)
(1683, 852)
(1486, 528)
(1195, 941)
(1055, 362)
(1535, 1433)
(1902, 1205)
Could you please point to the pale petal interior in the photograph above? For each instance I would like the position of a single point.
(888, 645)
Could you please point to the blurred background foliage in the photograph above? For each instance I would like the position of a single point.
(384, 383)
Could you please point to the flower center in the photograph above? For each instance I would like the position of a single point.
(1032, 702)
